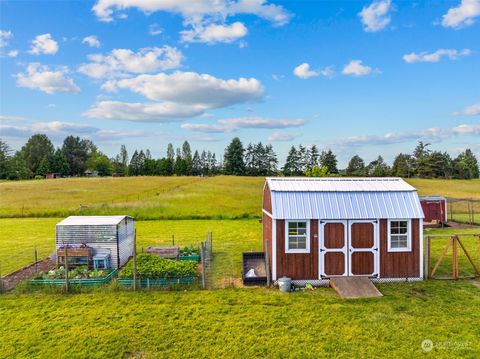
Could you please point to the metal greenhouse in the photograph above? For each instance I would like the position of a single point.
(110, 237)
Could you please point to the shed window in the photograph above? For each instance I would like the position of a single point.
(399, 239)
(297, 239)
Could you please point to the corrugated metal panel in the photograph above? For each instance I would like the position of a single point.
(345, 205)
(341, 184)
(101, 236)
(92, 220)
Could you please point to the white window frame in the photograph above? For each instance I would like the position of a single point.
(307, 249)
(409, 235)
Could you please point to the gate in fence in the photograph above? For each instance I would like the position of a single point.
(452, 257)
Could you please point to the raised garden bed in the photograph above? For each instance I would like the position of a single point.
(88, 278)
(156, 271)
(190, 254)
(159, 282)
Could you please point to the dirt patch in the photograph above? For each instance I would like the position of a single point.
(11, 280)
(459, 225)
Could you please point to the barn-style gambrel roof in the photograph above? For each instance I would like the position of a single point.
(343, 198)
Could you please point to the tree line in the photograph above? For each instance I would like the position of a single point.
(80, 157)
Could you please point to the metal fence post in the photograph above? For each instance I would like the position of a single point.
(135, 260)
(267, 263)
(65, 259)
(36, 259)
(202, 256)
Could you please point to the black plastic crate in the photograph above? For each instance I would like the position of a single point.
(255, 261)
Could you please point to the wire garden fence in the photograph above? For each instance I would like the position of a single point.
(464, 210)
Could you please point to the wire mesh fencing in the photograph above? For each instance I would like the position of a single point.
(464, 210)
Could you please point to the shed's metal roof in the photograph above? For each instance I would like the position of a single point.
(91, 220)
(340, 184)
(343, 198)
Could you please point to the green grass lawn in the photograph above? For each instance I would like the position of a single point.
(244, 323)
(168, 197)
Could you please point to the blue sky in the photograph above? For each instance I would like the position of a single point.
(358, 77)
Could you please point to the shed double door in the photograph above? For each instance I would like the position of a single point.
(348, 248)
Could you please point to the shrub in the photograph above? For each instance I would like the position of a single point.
(152, 266)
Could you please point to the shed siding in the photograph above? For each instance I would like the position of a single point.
(267, 199)
(267, 236)
(400, 264)
(297, 265)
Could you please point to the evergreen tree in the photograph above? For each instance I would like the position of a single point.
(292, 165)
(303, 158)
(313, 156)
(5, 156)
(204, 163)
(329, 160)
(169, 165)
(134, 168)
(233, 163)
(402, 166)
(77, 152)
(466, 165)
(421, 155)
(123, 160)
(356, 167)
(187, 158)
(212, 163)
(271, 160)
(180, 167)
(196, 164)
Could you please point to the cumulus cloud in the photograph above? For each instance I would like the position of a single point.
(213, 33)
(121, 62)
(436, 56)
(463, 15)
(40, 77)
(473, 110)
(283, 136)
(44, 44)
(143, 112)
(91, 41)
(194, 88)
(375, 16)
(194, 11)
(303, 71)
(5, 36)
(434, 134)
(235, 124)
(356, 68)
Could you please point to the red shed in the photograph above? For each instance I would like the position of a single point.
(318, 228)
(434, 208)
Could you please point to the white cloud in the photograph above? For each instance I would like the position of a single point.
(195, 11)
(143, 112)
(12, 53)
(154, 30)
(194, 89)
(44, 44)
(91, 41)
(473, 110)
(436, 56)
(356, 68)
(463, 15)
(213, 33)
(120, 62)
(376, 16)
(9, 118)
(434, 134)
(303, 71)
(328, 72)
(283, 136)
(235, 124)
(41, 78)
(4, 37)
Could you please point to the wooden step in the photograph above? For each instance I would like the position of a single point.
(354, 287)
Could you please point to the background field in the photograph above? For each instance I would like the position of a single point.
(232, 322)
(169, 197)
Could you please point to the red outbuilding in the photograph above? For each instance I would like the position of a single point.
(318, 228)
(434, 208)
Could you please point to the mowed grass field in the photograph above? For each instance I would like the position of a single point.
(231, 322)
(221, 197)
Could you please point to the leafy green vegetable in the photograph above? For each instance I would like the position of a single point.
(74, 273)
(190, 251)
(152, 266)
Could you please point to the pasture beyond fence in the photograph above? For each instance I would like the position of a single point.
(463, 210)
(454, 256)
